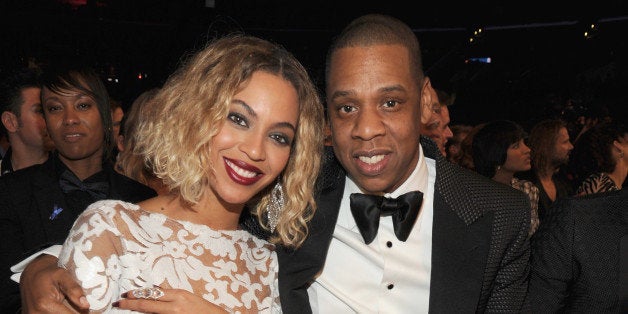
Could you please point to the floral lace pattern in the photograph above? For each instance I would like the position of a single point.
(532, 192)
(115, 247)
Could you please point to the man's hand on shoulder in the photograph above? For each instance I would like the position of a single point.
(44, 288)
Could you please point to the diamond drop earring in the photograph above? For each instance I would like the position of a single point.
(275, 205)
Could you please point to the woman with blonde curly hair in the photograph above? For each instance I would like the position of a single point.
(237, 128)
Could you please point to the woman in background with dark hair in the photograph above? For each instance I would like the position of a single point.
(39, 204)
(499, 152)
(599, 159)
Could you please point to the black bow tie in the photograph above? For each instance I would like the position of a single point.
(367, 209)
(69, 183)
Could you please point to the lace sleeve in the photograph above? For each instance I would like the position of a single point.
(276, 306)
(90, 253)
(533, 194)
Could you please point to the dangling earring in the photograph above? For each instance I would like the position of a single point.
(275, 205)
(499, 167)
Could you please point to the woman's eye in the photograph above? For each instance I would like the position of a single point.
(52, 108)
(84, 106)
(281, 139)
(237, 119)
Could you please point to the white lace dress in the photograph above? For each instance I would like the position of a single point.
(115, 247)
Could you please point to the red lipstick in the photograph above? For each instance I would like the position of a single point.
(241, 172)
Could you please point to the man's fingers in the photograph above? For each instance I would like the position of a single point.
(43, 285)
(47, 307)
(72, 290)
(77, 299)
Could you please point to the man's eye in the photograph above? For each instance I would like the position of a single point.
(390, 103)
(347, 108)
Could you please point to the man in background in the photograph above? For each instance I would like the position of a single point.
(23, 121)
(438, 127)
(551, 147)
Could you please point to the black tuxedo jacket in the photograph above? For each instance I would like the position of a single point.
(27, 199)
(576, 256)
(480, 244)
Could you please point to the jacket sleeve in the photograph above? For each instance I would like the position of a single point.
(509, 290)
(552, 261)
(12, 248)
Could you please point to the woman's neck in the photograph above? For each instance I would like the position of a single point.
(83, 168)
(207, 211)
(619, 173)
(503, 176)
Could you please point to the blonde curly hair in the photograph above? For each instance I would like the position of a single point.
(192, 106)
(128, 163)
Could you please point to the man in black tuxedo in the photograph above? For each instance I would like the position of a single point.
(39, 204)
(580, 258)
(459, 242)
(467, 249)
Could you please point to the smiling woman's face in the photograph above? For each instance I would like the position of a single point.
(253, 145)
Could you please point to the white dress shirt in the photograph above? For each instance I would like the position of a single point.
(388, 275)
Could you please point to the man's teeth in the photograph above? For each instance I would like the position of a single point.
(241, 172)
(371, 160)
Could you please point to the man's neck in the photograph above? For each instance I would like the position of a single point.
(23, 156)
(549, 173)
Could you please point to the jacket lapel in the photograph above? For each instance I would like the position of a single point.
(299, 267)
(451, 183)
(330, 186)
(460, 237)
(47, 197)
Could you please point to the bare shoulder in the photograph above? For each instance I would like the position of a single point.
(157, 204)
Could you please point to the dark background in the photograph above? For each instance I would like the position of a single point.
(540, 57)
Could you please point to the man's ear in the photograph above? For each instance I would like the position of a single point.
(10, 121)
(327, 133)
(120, 142)
(428, 95)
